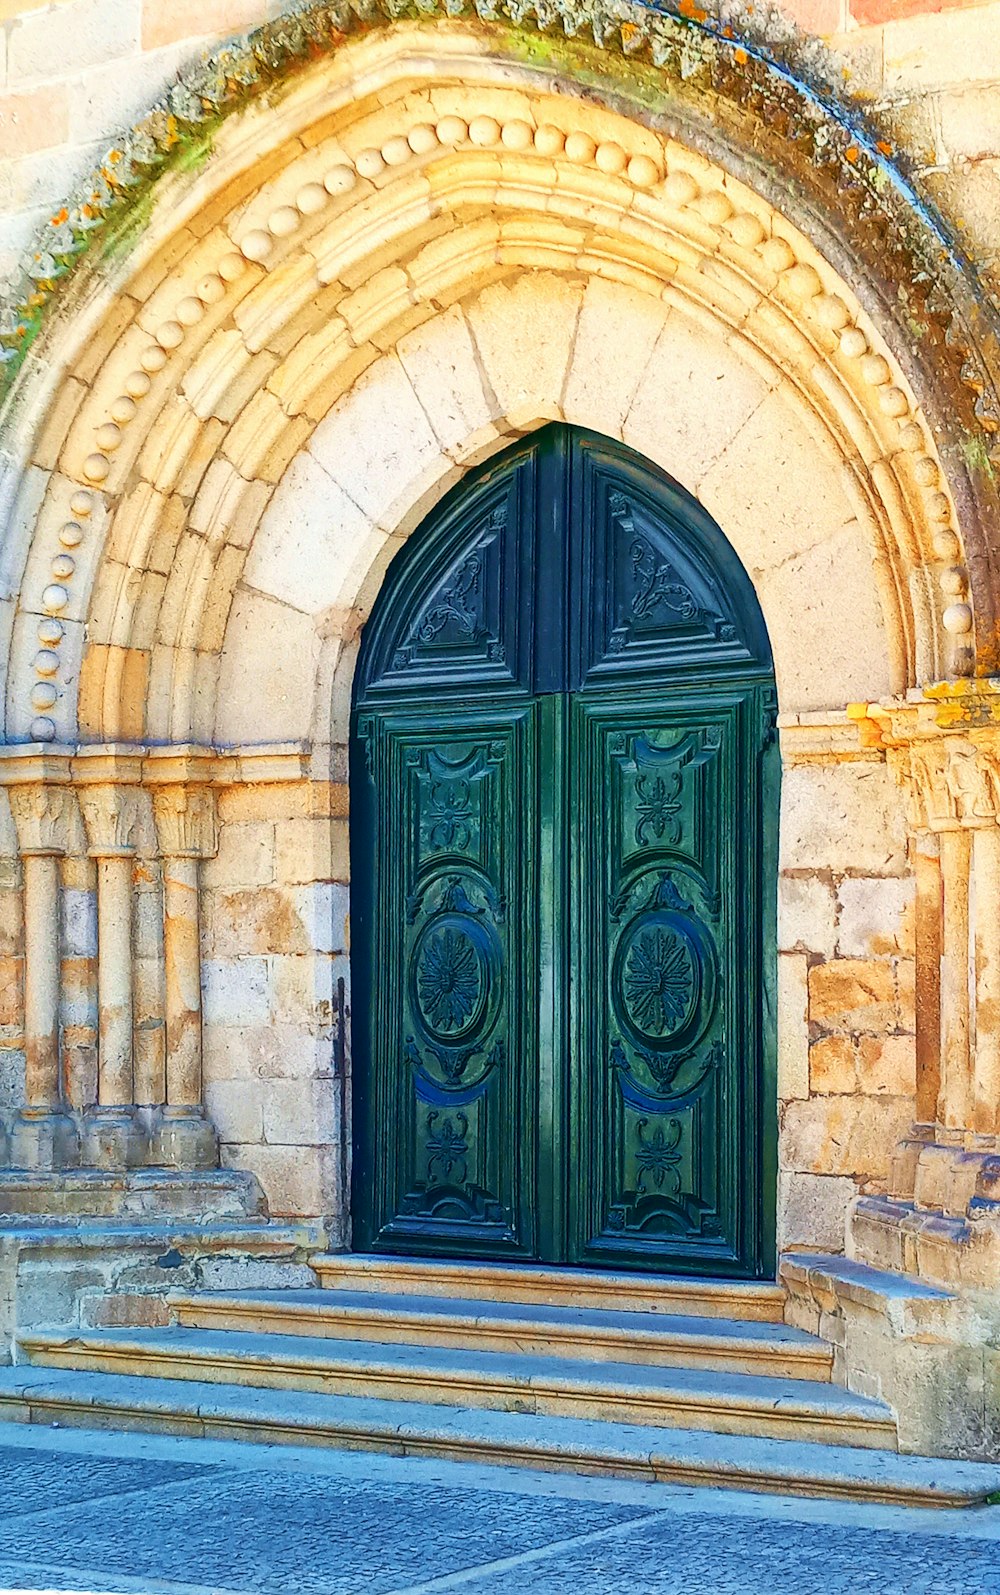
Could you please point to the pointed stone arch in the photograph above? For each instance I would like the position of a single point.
(323, 232)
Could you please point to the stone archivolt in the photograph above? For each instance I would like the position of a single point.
(151, 473)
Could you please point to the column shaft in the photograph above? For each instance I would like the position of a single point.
(41, 981)
(955, 1096)
(927, 868)
(986, 1075)
(114, 980)
(182, 957)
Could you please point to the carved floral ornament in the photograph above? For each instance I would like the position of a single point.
(306, 211)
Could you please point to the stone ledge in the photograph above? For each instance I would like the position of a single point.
(134, 1194)
(928, 1352)
(950, 1251)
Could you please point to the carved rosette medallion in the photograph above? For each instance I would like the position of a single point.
(455, 986)
(663, 986)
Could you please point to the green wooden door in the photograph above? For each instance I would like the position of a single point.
(564, 798)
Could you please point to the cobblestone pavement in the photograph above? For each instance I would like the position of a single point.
(133, 1513)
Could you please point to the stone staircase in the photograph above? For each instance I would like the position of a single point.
(678, 1381)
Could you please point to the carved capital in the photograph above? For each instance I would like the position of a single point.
(186, 824)
(42, 816)
(110, 814)
(949, 782)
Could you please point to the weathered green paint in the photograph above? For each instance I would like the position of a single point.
(564, 800)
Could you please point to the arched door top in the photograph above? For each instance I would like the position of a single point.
(637, 582)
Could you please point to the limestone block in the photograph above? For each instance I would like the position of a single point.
(695, 394)
(236, 991)
(853, 994)
(378, 445)
(617, 333)
(11, 918)
(268, 672)
(276, 1050)
(925, 52)
(967, 123)
(887, 1065)
(234, 1107)
(843, 1134)
(301, 1112)
(812, 1211)
(875, 916)
(440, 360)
(310, 850)
(260, 919)
(264, 801)
(313, 545)
(295, 1183)
(774, 489)
(824, 618)
(807, 914)
(323, 911)
(99, 30)
(254, 1273)
(833, 1066)
(228, 507)
(793, 1026)
(524, 332)
(245, 857)
(842, 817)
(35, 120)
(11, 1069)
(111, 97)
(188, 19)
(11, 987)
(305, 987)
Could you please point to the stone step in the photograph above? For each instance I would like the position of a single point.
(659, 1339)
(753, 1300)
(615, 1392)
(51, 1396)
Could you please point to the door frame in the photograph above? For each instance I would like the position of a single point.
(401, 573)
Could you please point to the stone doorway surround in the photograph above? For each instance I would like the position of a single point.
(213, 450)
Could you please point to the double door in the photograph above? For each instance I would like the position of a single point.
(563, 790)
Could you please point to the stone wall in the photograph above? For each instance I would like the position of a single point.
(419, 254)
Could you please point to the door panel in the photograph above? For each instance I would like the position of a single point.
(562, 866)
(447, 1151)
(667, 1064)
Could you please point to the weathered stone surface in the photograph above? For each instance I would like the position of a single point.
(843, 1134)
(812, 1211)
(853, 994)
(842, 817)
(875, 916)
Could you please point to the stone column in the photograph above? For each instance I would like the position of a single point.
(44, 1134)
(926, 853)
(986, 1069)
(186, 830)
(112, 1138)
(954, 1096)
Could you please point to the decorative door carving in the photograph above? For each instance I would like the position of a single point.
(563, 815)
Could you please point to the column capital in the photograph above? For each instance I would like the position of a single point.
(42, 817)
(186, 822)
(948, 765)
(110, 815)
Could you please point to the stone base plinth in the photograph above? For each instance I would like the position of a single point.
(932, 1354)
(130, 1194)
(43, 1139)
(183, 1138)
(72, 1272)
(112, 1138)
